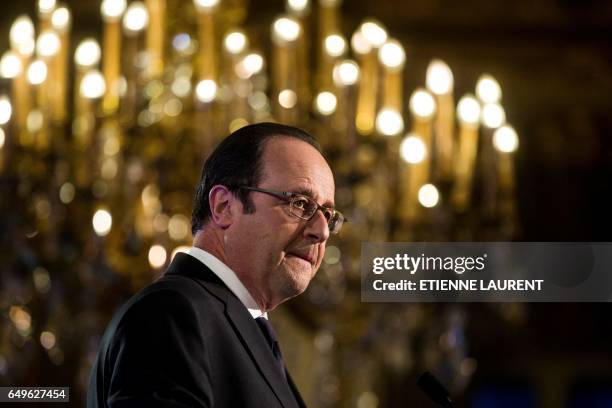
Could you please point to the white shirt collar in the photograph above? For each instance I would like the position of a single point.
(229, 278)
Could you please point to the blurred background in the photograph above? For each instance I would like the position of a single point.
(443, 121)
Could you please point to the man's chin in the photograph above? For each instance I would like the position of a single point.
(295, 285)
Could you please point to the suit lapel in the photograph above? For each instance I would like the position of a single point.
(255, 343)
(295, 391)
(244, 325)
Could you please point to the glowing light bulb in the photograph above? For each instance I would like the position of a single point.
(392, 54)
(205, 5)
(468, 110)
(326, 102)
(493, 115)
(48, 44)
(178, 227)
(10, 65)
(46, 6)
(37, 72)
(488, 89)
(287, 98)
(374, 33)
(439, 78)
(87, 53)
(47, 340)
(93, 85)
(112, 9)
(335, 45)
(412, 149)
(22, 35)
(297, 6)
(250, 65)
(136, 17)
(346, 73)
(389, 122)
(428, 195)
(61, 19)
(6, 110)
(422, 103)
(206, 90)
(360, 44)
(157, 256)
(286, 29)
(235, 42)
(102, 222)
(505, 139)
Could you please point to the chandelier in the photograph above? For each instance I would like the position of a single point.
(101, 145)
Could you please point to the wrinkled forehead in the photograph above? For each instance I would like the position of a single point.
(291, 164)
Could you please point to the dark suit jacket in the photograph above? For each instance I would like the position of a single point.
(187, 341)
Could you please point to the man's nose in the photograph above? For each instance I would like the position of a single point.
(317, 228)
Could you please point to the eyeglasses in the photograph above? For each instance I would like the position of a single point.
(305, 207)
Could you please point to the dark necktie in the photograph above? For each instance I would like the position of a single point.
(270, 336)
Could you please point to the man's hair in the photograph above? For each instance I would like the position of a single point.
(237, 162)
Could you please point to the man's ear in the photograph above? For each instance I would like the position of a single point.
(221, 201)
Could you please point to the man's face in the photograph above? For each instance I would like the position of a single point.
(274, 253)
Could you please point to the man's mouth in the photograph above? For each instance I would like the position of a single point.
(307, 257)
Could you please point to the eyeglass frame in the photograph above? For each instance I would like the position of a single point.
(289, 196)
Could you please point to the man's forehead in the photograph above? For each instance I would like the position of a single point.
(298, 165)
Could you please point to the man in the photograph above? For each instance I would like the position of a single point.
(198, 337)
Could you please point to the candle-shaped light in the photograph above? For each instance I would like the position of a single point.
(413, 152)
(206, 31)
(505, 141)
(488, 89)
(235, 44)
(345, 76)
(102, 221)
(493, 115)
(422, 107)
(6, 110)
(206, 90)
(112, 10)
(250, 65)
(61, 20)
(136, 18)
(468, 113)
(86, 58)
(45, 11)
(156, 33)
(325, 103)
(298, 7)
(285, 31)
(440, 81)
(300, 10)
(135, 21)
(47, 48)
(37, 72)
(389, 121)
(87, 54)
(335, 45)
(370, 36)
(346, 73)
(93, 85)
(10, 65)
(429, 195)
(328, 37)
(22, 43)
(10, 68)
